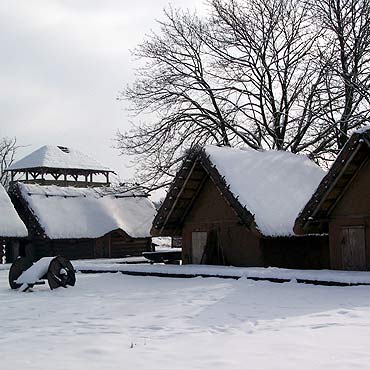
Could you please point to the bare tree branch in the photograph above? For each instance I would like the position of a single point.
(279, 74)
(8, 148)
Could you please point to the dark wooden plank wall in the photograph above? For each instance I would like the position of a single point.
(105, 247)
(78, 249)
(121, 246)
(351, 211)
(306, 252)
(231, 242)
(241, 246)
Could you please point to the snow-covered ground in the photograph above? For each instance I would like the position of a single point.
(113, 321)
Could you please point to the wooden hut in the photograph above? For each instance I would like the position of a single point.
(12, 229)
(238, 207)
(341, 206)
(78, 222)
(65, 199)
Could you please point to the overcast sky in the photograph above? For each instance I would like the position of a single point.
(62, 66)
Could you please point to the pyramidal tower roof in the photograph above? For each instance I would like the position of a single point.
(58, 157)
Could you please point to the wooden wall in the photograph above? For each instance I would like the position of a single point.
(238, 246)
(125, 246)
(12, 248)
(71, 249)
(298, 252)
(113, 245)
(349, 225)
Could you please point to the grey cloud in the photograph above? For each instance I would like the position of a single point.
(62, 65)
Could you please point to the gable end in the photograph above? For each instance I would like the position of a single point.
(188, 182)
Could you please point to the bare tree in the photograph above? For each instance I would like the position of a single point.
(8, 148)
(346, 26)
(176, 85)
(268, 50)
(256, 73)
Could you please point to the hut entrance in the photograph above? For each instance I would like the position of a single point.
(353, 248)
(198, 246)
(102, 249)
(206, 248)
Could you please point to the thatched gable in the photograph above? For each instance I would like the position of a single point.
(265, 189)
(183, 191)
(314, 216)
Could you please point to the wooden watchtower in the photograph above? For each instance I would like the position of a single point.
(59, 165)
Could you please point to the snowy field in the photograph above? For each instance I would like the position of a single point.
(112, 321)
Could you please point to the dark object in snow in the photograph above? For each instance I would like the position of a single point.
(16, 270)
(58, 271)
(168, 257)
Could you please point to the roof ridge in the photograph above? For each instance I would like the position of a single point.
(57, 156)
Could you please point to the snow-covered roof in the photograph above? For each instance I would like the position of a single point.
(314, 217)
(11, 226)
(74, 213)
(52, 156)
(273, 185)
(362, 130)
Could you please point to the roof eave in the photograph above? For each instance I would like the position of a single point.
(58, 168)
(159, 224)
(306, 221)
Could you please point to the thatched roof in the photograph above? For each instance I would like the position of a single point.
(314, 216)
(266, 189)
(58, 157)
(85, 213)
(11, 226)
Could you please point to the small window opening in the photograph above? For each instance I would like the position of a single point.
(63, 149)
